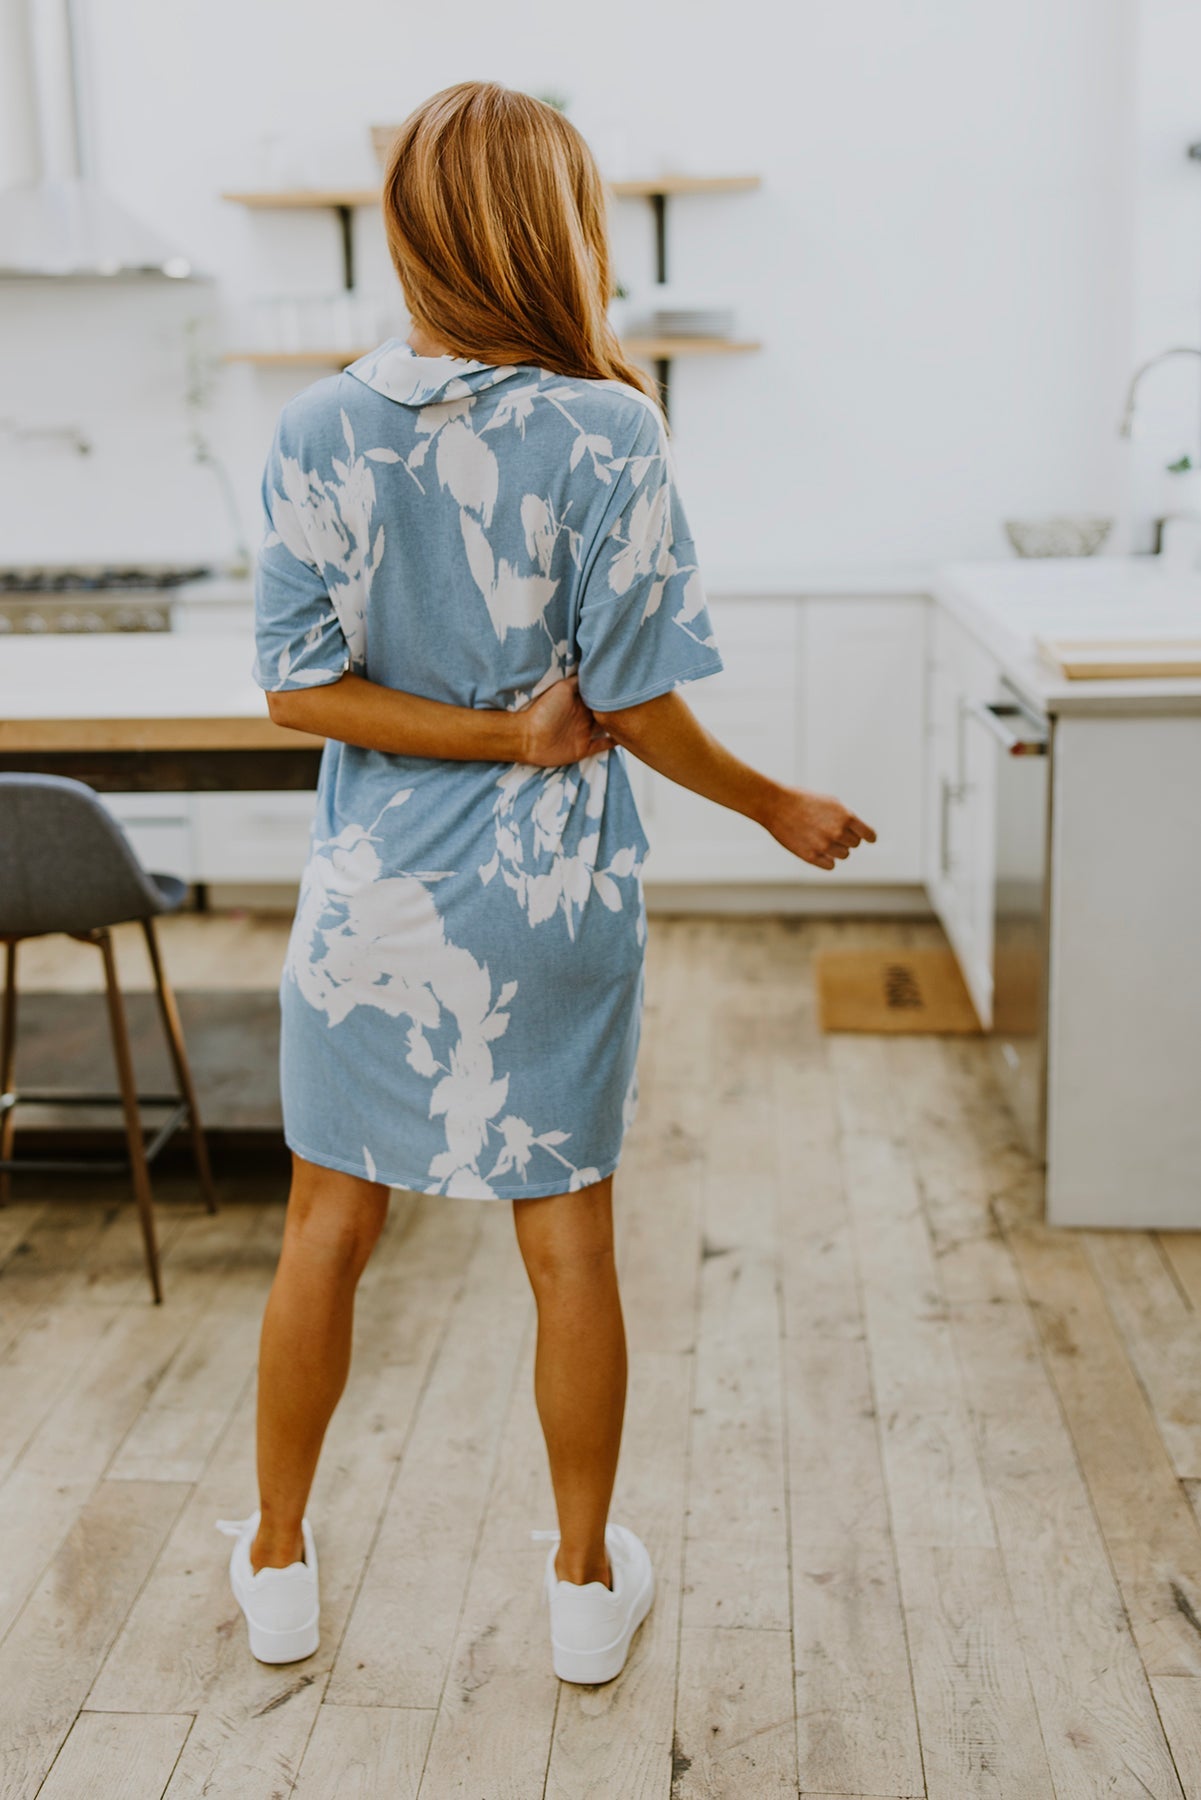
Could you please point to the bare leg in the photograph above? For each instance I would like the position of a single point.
(332, 1225)
(580, 1367)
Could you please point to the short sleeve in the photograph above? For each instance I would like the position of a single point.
(299, 641)
(643, 621)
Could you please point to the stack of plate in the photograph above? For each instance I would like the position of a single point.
(692, 321)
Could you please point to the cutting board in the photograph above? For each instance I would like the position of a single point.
(1122, 659)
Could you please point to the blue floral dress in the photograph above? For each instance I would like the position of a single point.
(461, 998)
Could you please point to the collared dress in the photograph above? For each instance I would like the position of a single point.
(462, 993)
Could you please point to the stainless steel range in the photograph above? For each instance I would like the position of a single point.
(52, 597)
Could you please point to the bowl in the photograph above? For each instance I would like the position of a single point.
(1063, 534)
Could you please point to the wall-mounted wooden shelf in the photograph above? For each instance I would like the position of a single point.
(305, 197)
(683, 184)
(642, 189)
(343, 202)
(655, 348)
(651, 348)
(293, 358)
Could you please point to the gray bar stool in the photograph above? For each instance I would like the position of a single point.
(67, 866)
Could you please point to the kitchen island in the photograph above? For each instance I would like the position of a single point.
(142, 717)
(1092, 873)
(146, 711)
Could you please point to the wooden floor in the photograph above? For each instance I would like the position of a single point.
(920, 1477)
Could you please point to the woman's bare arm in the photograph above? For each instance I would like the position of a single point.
(555, 728)
(666, 734)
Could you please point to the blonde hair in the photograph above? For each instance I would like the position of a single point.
(495, 214)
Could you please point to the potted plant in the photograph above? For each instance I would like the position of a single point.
(619, 309)
(1182, 489)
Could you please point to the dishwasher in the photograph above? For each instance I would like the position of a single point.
(1020, 735)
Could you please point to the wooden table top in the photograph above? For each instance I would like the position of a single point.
(136, 691)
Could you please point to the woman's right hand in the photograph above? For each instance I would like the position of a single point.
(557, 727)
(816, 827)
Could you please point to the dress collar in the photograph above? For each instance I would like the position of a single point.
(395, 370)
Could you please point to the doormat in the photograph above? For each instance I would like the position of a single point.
(893, 991)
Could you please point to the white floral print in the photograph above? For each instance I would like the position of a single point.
(462, 992)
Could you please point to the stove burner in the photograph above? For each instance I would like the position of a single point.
(68, 579)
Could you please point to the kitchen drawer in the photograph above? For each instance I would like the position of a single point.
(252, 837)
(160, 828)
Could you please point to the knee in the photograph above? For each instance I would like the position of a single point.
(567, 1240)
(556, 1269)
(336, 1217)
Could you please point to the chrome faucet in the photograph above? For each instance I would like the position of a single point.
(1126, 428)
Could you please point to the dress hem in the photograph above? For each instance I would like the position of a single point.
(412, 1186)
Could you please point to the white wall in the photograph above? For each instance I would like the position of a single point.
(1166, 264)
(939, 262)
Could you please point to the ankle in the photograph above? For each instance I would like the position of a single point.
(276, 1549)
(582, 1569)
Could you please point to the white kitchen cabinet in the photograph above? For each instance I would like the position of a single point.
(1098, 996)
(825, 694)
(960, 801)
(753, 706)
(251, 837)
(1124, 1011)
(159, 826)
(861, 708)
(822, 692)
(213, 617)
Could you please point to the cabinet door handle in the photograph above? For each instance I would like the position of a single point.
(994, 716)
(948, 791)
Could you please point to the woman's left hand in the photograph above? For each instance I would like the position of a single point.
(558, 728)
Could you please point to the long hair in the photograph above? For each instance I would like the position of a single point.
(495, 213)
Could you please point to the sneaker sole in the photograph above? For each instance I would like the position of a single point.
(591, 1666)
(282, 1646)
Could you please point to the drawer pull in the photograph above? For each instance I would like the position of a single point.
(995, 719)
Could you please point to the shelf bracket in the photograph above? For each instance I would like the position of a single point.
(346, 224)
(659, 209)
(663, 376)
(662, 363)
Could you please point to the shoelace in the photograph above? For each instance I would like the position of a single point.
(234, 1527)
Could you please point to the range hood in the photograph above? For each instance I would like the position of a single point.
(60, 223)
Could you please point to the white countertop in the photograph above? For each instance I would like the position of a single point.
(135, 690)
(1007, 605)
(870, 580)
(129, 675)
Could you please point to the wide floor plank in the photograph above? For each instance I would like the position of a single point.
(920, 1476)
(363, 1752)
(1095, 1707)
(124, 1756)
(49, 1659)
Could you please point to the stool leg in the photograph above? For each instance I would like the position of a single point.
(133, 1118)
(8, 1052)
(179, 1056)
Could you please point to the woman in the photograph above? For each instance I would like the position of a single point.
(478, 579)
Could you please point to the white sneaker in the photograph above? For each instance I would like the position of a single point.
(591, 1625)
(281, 1605)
